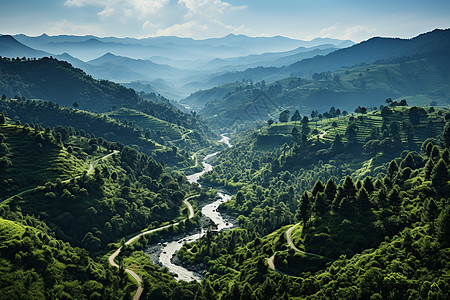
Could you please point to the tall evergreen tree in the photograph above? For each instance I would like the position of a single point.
(330, 191)
(320, 206)
(363, 200)
(446, 134)
(392, 169)
(347, 204)
(440, 176)
(431, 212)
(318, 187)
(368, 185)
(304, 209)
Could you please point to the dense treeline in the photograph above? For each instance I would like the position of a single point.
(271, 178)
(35, 265)
(364, 85)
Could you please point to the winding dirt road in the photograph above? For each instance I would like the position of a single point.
(133, 274)
(270, 260)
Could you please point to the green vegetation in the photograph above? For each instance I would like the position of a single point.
(152, 138)
(35, 265)
(58, 81)
(330, 202)
(419, 81)
(390, 216)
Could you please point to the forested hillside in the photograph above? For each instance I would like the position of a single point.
(419, 81)
(108, 189)
(370, 224)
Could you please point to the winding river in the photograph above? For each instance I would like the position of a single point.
(210, 211)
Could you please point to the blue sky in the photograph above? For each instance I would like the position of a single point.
(302, 19)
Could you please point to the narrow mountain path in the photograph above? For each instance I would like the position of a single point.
(292, 245)
(271, 260)
(95, 162)
(132, 239)
(323, 134)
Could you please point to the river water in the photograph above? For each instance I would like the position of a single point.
(210, 211)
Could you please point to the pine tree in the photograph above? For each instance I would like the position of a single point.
(363, 201)
(330, 191)
(318, 187)
(429, 166)
(408, 162)
(392, 169)
(320, 205)
(394, 197)
(435, 153)
(304, 209)
(440, 176)
(446, 134)
(431, 212)
(368, 185)
(349, 187)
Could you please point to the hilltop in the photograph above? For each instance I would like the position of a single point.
(58, 81)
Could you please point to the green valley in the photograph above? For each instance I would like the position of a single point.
(325, 178)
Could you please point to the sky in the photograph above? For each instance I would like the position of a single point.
(199, 19)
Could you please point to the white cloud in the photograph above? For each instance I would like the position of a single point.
(328, 31)
(107, 12)
(355, 33)
(189, 18)
(68, 27)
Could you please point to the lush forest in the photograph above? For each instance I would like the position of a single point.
(335, 186)
(369, 225)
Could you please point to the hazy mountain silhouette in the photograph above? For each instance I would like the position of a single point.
(10, 47)
(370, 51)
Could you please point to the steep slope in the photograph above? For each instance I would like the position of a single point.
(314, 227)
(153, 139)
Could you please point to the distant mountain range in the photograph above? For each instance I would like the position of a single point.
(183, 65)
(366, 52)
(90, 47)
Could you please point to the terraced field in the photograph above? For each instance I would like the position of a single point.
(173, 132)
(371, 121)
(35, 166)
